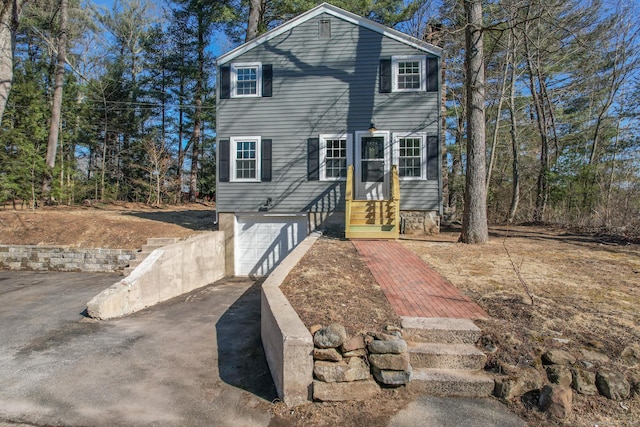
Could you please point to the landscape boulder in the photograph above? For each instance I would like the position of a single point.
(352, 344)
(392, 378)
(518, 383)
(353, 370)
(394, 362)
(583, 381)
(331, 336)
(594, 356)
(559, 374)
(328, 354)
(558, 357)
(634, 381)
(395, 346)
(612, 384)
(556, 399)
(630, 356)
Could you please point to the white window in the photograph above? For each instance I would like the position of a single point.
(335, 156)
(245, 158)
(246, 80)
(409, 73)
(410, 154)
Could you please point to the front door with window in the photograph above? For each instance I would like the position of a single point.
(372, 166)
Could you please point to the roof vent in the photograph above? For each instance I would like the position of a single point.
(324, 29)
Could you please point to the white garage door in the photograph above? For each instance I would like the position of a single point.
(262, 241)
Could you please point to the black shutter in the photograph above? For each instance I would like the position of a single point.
(267, 78)
(225, 82)
(432, 157)
(432, 74)
(313, 159)
(265, 161)
(223, 160)
(385, 76)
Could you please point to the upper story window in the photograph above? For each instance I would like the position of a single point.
(246, 79)
(245, 162)
(409, 73)
(335, 156)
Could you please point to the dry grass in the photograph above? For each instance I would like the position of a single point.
(584, 289)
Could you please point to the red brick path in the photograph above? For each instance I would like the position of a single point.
(412, 287)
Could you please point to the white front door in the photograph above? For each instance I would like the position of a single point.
(372, 165)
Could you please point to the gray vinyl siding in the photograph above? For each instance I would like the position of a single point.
(321, 86)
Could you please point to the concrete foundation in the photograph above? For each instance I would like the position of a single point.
(166, 273)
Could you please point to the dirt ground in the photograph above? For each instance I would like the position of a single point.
(541, 287)
(114, 225)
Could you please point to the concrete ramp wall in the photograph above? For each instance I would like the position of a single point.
(287, 343)
(167, 272)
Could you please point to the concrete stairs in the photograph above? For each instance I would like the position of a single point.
(444, 358)
(153, 243)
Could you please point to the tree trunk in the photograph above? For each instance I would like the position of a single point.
(474, 221)
(197, 121)
(9, 15)
(56, 107)
(515, 188)
(255, 11)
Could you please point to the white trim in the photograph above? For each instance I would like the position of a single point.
(423, 154)
(338, 13)
(395, 60)
(234, 151)
(323, 153)
(234, 80)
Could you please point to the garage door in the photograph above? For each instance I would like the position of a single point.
(262, 241)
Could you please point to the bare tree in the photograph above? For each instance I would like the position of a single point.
(474, 220)
(10, 11)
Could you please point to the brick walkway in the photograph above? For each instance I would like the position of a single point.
(412, 287)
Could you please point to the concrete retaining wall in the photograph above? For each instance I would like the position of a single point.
(287, 343)
(166, 273)
(49, 258)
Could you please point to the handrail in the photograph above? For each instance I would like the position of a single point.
(395, 183)
(348, 198)
(349, 186)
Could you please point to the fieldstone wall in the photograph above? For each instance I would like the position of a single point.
(354, 368)
(48, 258)
(419, 222)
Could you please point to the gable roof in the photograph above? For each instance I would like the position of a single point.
(338, 13)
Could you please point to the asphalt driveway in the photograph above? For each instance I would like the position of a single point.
(196, 360)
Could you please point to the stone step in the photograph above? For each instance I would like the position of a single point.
(446, 356)
(153, 243)
(451, 382)
(162, 241)
(442, 330)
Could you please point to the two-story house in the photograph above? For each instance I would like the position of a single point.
(319, 114)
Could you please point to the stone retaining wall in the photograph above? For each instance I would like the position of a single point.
(49, 258)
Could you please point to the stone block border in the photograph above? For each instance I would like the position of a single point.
(287, 343)
(51, 258)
